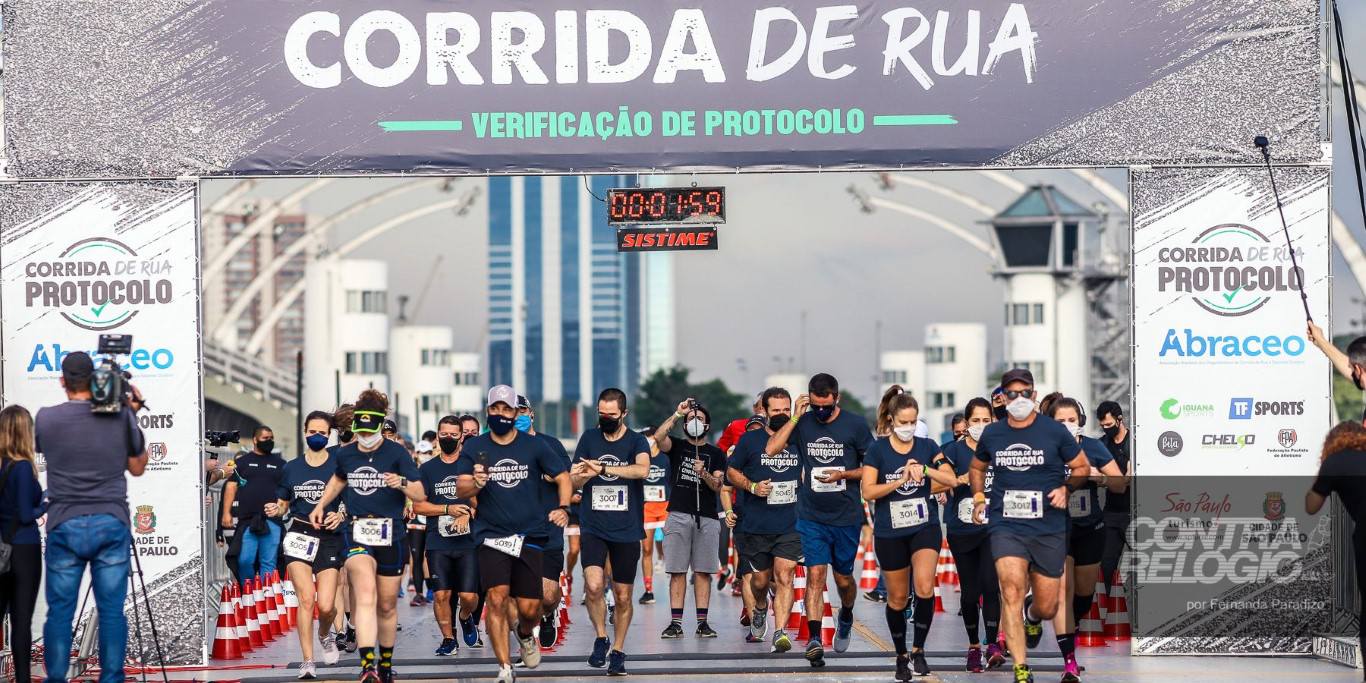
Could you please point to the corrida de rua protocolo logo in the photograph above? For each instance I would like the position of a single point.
(1229, 270)
(97, 284)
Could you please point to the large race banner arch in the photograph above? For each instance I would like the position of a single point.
(172, 90)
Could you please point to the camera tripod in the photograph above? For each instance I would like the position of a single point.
(135, 579)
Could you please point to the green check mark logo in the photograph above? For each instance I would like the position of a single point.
(1229, 297)
(97, 310)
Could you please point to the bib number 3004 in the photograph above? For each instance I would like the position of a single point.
(373, 531)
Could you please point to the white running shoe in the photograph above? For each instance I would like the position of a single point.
(307, 671)
(505, 675)
(531, 651)
(330, 652)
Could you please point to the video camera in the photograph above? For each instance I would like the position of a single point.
(109, 387)
(221, 439)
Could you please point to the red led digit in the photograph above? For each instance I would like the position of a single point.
(659, 204)
(636, 207)
(615, 208)
(714, 203)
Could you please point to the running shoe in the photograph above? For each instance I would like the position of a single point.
(307, 671)
(647, 598)
(1033, 629)
(903, 668)
(876, 596)
(350, 639)
(470, 631)
(479, 641)
(387, 674)
(1023, 674)
(598, 659)
(400, 592)
(735, 590)
(781, 643)
(744, 617)
(505, 675)
(704, 630)
(612, 615)
(417, 601)
(758, 624)
(843, 631)
(722, 578)
(975, 660)
(672, 631)
(329, 647)
(918, 663)
(447, 648)
(531, 651)
(616, 665)
(368, 675)
(996, 656)
(1071, 673)
(549, 633)
(749, 638)
(815, 653)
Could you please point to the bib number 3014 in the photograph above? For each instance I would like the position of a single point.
(909, 513)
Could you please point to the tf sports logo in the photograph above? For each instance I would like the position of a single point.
(97, 284)
(1244, 408)
(1229, 270)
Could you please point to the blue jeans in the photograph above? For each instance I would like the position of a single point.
(103, 542)
(258, 553)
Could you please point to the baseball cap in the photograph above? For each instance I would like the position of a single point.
(423, 447)
(77, 366)
(502, 393)
(1017, 375)
(522, 402)
(390, 426)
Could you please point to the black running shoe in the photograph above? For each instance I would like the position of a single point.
(647, 598)
(922, 667)
(1033, 629)
(672, 631)
(616, 665)
(903, 668)
(815, 653)
(548, 631)
(704, 630)
(598, 659)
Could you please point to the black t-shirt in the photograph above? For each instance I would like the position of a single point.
(302, 486)
(258, 480)
(1345, 473)
(511, 501)
(689, 493)
(365, 494)
(438, 480)
(1118, 502)
(839, 444)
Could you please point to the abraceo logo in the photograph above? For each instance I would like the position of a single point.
(1188, 344)
(1229, 270)
(97, 284)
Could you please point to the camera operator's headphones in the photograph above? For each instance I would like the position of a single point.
(1081, 413)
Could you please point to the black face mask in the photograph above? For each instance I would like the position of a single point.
(266, 446)
(1356, 377)
(609, 425)
(448, 444)
(823, 413)
(776, 422)
(500, 425)
(1112, 431)
(345, 436)
(1000, 412)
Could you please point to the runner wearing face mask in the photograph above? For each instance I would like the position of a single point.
(900, 472)
(766, 536)
(692, 531)
(346, 632)
(312, 555)
(1086, 537)
(657, 490)
(377, 477)
(450, 545)
(1030, 455)
(1117, 513)
(610, 465)
(970, 544)
(832, 443)
(552, 556)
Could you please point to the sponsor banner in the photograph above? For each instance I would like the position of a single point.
(516, 86)
(81, 259)
(1228, 565)
(667, 239)
(1226, 379)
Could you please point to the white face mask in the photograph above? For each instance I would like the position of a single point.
(1073, 428)
(695, 428)
(905, 432)
(1020, 408)
(369, 441)
(975, 431)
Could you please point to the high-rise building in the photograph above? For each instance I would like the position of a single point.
(287, 335)
(567, 312)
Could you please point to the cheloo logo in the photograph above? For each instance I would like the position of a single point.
(1229, 270)
(1188, 344)
(97, 284)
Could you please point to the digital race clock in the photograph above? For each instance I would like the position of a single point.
(666, 205)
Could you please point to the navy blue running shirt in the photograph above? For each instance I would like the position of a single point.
(958, 512)
(302, 485)
(1029, 463)
(365, 494)
(909, 507)
(1083, 505)
(511, 501)
(839, 444)
(613, 509)
(439, 479)
(776, 514)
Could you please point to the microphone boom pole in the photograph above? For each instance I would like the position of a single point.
(1265, 145)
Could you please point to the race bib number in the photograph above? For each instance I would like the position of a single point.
(654, 493)
(511, 545)
(449, 527)
(783, 493)
(909, 513)
(373, 531)
(1022, 505)
(300, 546)
(609, 498)
(821, 487)
(965, 511)
(1079, 504)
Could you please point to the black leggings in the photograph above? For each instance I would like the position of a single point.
(977, 575)
(1116, 531)
(18, 595)
(417, 546)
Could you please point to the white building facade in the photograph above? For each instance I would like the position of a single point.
(346, 348)
(420, 376)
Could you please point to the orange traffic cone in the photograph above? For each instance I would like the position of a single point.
(249, 593)
(281, 609)
(938, 599)
(239, 617)
(947, 571)
(567, 580)
(1091, 628)
(868, 579)
(266, 614)
(1117, 621)
(225, 631)
(799, 605)
(1102, 598)
(291, 605)
(827, 623)
(566, 592)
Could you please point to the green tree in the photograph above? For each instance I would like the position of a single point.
(660, 393)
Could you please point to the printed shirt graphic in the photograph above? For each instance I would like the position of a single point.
(840, 444)
(1099, 456)
(690, 495)
(659, 473)
(365, 494)
(550, 493)
(757, 515)
(438, 480)
(303, 486)
(508, 504)
(1028, 462)
(889, 463)
(618, 526)
(961, 456)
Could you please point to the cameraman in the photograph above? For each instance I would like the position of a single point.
(87, 519)
(253, 485)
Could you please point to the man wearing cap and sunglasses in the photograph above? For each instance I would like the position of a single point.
(503, 471)
(1029, 454)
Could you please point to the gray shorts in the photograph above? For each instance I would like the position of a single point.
(690, 545)
(1047, 553)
